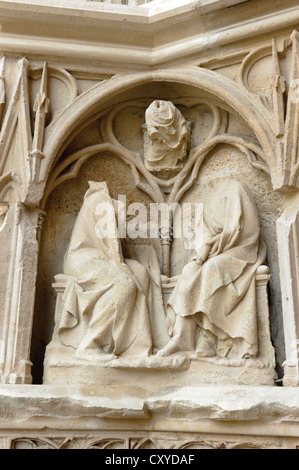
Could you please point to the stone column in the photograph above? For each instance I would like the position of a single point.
(18, 268)
(266, 350)
(288, 243)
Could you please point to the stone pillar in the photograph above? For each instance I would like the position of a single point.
(266, 349)
(18, 268)
(288, 243)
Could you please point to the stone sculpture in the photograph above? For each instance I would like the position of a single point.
(72, 103)
(114, 307)
(108, 303)
(214, 299)
(167, 136)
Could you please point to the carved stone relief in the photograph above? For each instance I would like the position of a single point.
(207, 125)
(149, 235)
(136, 443)
(135, 308)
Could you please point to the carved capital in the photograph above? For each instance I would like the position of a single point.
(166, 235)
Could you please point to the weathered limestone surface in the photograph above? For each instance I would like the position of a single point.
(206, 416)
(190, 403)
(115, 330)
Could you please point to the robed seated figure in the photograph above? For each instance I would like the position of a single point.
(114, 307)
(111, 306)
(213, 305)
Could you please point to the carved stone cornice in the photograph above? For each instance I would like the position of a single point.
(125, 34)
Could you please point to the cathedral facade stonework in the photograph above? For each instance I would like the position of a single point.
(149, 190)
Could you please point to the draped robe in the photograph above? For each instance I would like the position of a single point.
(105, 303)
(168, 132)
(220, 293)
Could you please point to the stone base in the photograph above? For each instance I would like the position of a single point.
(97, 417)
(150, 373)
(61, 366)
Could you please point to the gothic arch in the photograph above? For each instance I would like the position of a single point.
(101, 96)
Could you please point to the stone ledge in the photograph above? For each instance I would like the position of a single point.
(26, 406)
(126, 35)
(21, 403)
(76, 11)
(227, 403)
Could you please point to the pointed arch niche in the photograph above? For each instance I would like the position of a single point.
(100, 137)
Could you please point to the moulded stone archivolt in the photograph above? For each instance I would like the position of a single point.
(173, 76)
(3, 212)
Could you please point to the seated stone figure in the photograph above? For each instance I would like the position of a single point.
(214, 300)
(107, 298)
